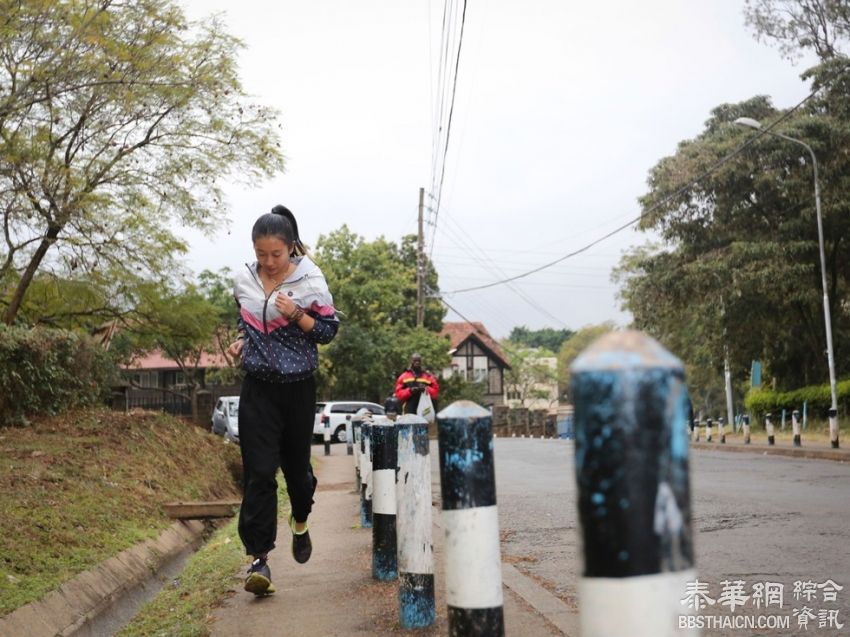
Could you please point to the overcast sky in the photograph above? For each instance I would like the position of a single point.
(561, 110)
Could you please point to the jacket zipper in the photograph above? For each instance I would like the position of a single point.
(266, 302)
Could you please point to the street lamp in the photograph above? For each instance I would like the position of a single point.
(833, 412)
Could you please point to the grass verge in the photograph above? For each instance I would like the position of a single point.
(184, 609)
(79, 488)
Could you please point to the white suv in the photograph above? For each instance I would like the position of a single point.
(335, 413)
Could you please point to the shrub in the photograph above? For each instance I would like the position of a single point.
(818, 398)
(46, 371)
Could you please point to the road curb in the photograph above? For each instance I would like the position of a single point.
(78, 601)
(836, 455)
(541, 600)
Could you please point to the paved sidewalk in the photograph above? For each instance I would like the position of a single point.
(809, 449)
(334, 593)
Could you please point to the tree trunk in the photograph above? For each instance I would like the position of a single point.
(27, 277)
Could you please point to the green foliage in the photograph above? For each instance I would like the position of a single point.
(571, 348)
(737, 274)
(48, 371)
(547, 338)
(456, 388)
(818, 398)
(529, 377)
(374, 289)
(118, 122)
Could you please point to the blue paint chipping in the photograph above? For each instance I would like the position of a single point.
(631, 438)
(417, 608)
(467, 473)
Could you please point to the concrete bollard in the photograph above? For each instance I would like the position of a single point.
(720, 431)
(349, 443)
(356, 422)
(413, 524)
(746, 427)
(384, 460)
(795, 427)
(833, 427)
(708, 422)
(471, 523)
(696, 429)
(327, 437)
(366, 475)
(631, 462)
(768, 425)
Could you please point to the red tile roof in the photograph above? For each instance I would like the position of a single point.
(460, 331)
(158, 360)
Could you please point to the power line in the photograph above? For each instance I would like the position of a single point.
(762, 132)
(447, 86)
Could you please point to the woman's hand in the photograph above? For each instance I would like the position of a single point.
(284, 305)
(235, 348)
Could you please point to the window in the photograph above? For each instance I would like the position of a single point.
(479, 368)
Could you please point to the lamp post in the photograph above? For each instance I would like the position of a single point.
(833, 412)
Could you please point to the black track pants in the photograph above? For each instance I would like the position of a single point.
(275, 430)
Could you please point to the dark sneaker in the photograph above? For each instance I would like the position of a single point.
(259, 580)
(302, 547)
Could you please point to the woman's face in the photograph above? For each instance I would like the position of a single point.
(272, 255)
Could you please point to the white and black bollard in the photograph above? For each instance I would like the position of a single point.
(746, 427)
(413, 524)
(349, 436)
(366, 474)
(833, 427)
(355, 434)
(721, 433)
(384, 460)
(631, 462)
(768, 425)
(471, 522)
(795, 427)
(327, 437)
(708, 429)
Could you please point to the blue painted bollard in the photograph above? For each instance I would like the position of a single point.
(746, 426)
(471, 522)
(631, 462)
(795, 427)
(366, 474)
(413, 524)
(384, 457)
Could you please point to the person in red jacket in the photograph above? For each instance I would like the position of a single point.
(412, 382)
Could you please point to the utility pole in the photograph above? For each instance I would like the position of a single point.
(420, 264)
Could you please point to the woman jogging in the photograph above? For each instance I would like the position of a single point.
(285, 309)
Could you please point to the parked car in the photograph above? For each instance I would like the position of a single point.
(225, 418)
(334, 412)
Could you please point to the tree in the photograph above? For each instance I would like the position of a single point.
(737, 271)
(530, 377)
(374, 289)
(823, 26)
(117, 121)
(571, 348)
(548, 338)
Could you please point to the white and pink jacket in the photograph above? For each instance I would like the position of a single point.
(274, 349)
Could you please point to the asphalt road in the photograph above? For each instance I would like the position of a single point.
(758, 519)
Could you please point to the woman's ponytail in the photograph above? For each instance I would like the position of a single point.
(298, 248)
